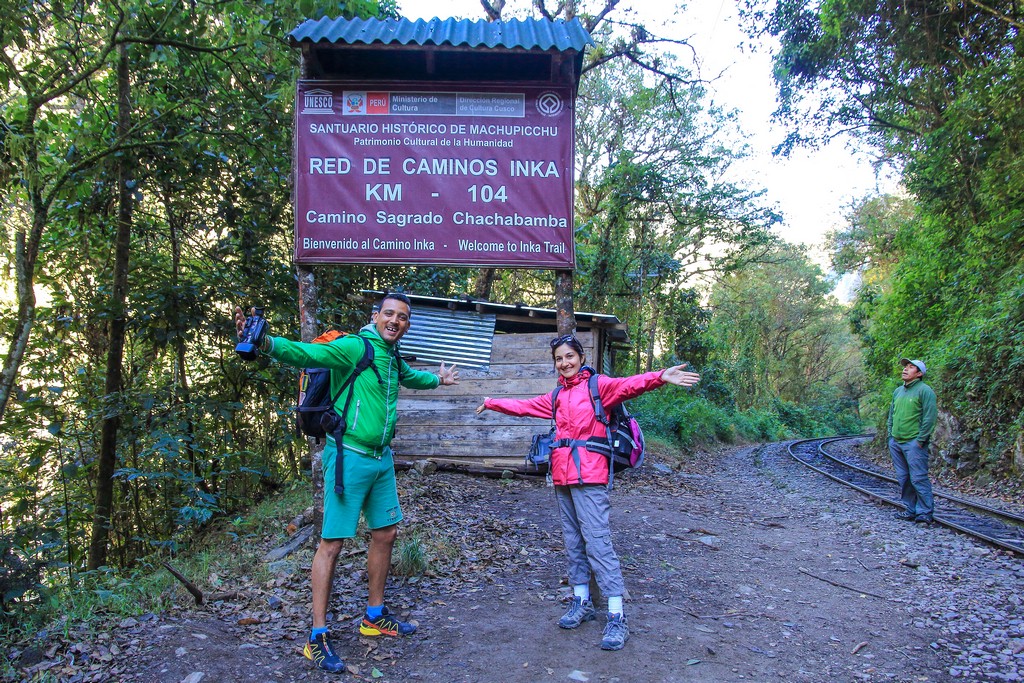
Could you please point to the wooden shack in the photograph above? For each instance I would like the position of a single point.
(501, 350)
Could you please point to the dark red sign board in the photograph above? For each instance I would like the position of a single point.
(474, 175)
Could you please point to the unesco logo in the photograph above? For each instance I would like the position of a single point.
(318, 101)
(549, 103)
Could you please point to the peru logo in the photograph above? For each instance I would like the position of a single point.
(355, 103)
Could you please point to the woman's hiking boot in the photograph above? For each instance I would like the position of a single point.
(616, 632)
(579, 611)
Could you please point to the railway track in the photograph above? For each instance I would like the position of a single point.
(999, 527)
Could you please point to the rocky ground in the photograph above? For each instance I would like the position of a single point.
(741, 566)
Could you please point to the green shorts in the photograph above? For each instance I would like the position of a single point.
(370, 488)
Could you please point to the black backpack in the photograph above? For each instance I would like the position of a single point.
(623, 445)
(314, 413)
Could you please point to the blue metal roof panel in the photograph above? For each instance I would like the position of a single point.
(527, 34)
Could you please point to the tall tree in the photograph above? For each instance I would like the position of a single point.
(107, 456)
(657, 212)
(210, 87)
(780, 333)
(935, 87)
(47, 52)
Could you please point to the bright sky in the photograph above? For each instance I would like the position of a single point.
(812, 188)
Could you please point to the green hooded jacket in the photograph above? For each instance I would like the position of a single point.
(374, 408)
(913, 413)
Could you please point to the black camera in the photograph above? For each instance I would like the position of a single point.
(255, 329)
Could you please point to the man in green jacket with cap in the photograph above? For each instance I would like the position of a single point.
(367, 462)
(912, 416)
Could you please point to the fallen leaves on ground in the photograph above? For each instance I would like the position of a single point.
(475, 531)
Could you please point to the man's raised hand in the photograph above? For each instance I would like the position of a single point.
(448, 375)
(239, 321)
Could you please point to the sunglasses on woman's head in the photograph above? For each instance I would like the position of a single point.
(564, 339)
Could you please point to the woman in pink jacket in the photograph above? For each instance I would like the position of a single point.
(582, 492)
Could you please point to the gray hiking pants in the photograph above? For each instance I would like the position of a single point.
(583, 510)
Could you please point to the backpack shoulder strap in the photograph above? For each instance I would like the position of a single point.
(595, 398)
(398, 358)
(366, 361)
(554, 407)
(602, 417)
(554, 400)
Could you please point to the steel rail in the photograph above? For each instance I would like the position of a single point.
(981, 507)
(998, 527)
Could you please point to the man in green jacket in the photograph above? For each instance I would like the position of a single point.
(367, 464)
(912, 416)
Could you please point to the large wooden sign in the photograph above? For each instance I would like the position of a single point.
(474, 175)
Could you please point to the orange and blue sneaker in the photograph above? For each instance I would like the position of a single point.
(385, 625)
(320, 652)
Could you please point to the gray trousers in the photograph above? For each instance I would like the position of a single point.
(588, 537)
(910, 460)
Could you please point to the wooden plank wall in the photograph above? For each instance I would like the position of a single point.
(441, 424)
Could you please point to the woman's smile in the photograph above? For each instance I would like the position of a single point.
(567, 361)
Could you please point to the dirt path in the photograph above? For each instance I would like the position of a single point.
(751, 571)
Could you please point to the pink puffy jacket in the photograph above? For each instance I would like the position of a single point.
(575, 419)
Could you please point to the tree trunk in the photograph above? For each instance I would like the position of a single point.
(653, 333)
(24, 267)
(183, 396)
(26, 249)
(483, 283)
(107, 461)
(309, 305)
(565, 313)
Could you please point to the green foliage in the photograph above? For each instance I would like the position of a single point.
(653, 212)
(199, 433)
(867, 244)
(778, 336)
(23, 556)
(774, 355)
(937, 88)
(412, 556)
(690, 420)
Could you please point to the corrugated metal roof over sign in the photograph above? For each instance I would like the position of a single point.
(526, 34)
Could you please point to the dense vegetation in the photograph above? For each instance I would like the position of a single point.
(936, 88)
(145, 188)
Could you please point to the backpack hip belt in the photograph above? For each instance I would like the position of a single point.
(574, 444)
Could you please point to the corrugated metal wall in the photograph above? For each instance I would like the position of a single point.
(461, 337)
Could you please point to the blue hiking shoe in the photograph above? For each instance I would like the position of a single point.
(616, 632)
(579, 611)
(319, 651)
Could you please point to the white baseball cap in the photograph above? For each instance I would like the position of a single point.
(919, 364)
